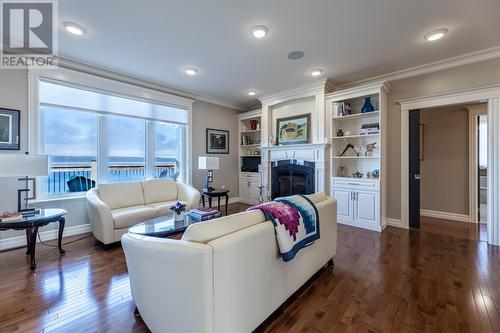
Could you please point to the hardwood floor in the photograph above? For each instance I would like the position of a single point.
(441, 279)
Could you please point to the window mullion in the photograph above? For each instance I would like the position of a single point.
(150, 150)
(102, 149)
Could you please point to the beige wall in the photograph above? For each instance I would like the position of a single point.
(206, 115)
(459, 78)
(444, 186)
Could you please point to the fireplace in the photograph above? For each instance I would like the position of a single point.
(292, 177)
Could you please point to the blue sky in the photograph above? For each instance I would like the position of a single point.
(74, 133)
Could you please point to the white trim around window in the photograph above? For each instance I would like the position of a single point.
(100, 84)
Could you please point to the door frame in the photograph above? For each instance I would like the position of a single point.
(489, 94)
(474, 113)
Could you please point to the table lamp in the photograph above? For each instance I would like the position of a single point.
(209, 164)
(28, 166)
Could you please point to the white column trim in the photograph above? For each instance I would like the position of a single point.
(493, 218)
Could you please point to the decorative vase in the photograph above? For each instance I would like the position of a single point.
(368, 106)
(179, 217)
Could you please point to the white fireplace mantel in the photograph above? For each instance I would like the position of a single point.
(314, 152)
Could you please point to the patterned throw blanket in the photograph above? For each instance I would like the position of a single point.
(296, 223)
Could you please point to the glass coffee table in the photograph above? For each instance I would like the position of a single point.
(162, 226)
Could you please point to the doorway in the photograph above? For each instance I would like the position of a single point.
(447, 172)
(487, 94)
(482, 168)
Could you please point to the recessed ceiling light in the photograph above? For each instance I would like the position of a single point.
(190, 71)
(436, 34)
(251, 93)
(259, 31)
(316, 72)
(74, 28)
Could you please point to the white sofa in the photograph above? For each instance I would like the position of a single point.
(225, 275)
(113, 208)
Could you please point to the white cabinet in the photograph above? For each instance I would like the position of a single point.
(366, 207)
(249, 188)
(345, 210)
(357, 206)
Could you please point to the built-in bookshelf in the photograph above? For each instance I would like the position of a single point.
(250, 156)
(357, 133)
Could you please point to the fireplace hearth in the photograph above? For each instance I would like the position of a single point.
(290, 177)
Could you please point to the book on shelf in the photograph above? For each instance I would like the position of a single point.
(372, 128)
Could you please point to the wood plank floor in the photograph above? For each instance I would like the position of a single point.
(441, 279)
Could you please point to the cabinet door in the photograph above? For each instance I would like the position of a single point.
(366, 207)
(344, 204)
(244, 189)
(254, 191)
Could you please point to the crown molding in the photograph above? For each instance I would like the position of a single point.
(457, 61)
(453, 98)
(300, 91)
(143, 82)
(359, 90)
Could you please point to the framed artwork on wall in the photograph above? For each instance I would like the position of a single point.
(293, 130)
(9, 129)
(217, 141)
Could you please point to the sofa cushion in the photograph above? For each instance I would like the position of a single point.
(205, 232)
(119, 195)
(159, 190)
(163, 208)
(127, 217)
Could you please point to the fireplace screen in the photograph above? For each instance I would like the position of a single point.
(292, 177)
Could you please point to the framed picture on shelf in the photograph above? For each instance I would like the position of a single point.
(293, 130)
(9, 129)
(217, 141)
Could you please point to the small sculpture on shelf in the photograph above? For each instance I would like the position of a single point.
(357, 174)
(373, 174)
(370, 148)
(342, 171)
(340, 132)
(347, 147)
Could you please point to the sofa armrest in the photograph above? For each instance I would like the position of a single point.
(171, 282)
(100, 218)
(188, 193)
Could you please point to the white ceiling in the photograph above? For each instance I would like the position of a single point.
(349, 39)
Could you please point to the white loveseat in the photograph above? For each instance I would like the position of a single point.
(113, 208)
(225, 275)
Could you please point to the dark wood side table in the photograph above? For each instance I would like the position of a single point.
(31, 225)
(215, 193)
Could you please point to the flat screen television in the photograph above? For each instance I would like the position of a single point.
(250, 164)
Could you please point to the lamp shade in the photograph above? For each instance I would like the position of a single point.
(208, 163)
(18, 165)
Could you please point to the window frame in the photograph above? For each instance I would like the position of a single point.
(101, 84)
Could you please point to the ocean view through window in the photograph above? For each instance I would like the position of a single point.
(93, 137)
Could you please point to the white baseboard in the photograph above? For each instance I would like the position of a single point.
(445, 216)
(20, 241)
(394, 223)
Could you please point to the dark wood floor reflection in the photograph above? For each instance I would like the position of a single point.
(439, 279)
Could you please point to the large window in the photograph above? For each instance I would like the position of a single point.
(126, 149)
(70, 139)
(95, 137)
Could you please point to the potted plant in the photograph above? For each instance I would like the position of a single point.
(178, 209)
